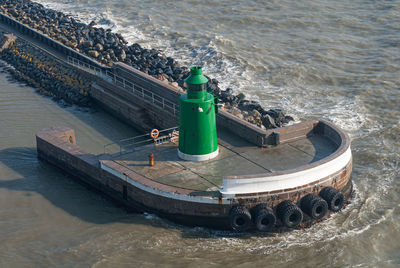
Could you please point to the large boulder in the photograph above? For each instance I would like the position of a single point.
(268, 121)
(93, 53)
(99, 47)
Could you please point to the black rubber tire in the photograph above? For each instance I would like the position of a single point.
(306, 201)
(289, 214)
(239, 219)
(314, 206)
(255, 210)
(265, 219)
(333, 197)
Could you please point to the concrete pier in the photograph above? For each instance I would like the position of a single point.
(201, 194)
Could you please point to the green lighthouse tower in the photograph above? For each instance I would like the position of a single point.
(198, 129)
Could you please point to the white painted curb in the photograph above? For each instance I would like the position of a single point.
(201, 157)
(259, 184)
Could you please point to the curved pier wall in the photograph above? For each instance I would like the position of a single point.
(57, 146)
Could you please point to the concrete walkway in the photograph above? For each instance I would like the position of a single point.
(236, 157)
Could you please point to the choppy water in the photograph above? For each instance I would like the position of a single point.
(334, 59)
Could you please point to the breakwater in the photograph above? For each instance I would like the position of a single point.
(103, 46)
(50, 78)
(332, 59)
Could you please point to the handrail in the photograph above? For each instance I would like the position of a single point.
(85, 63)
(126, 145)
(128, 85)
(143, 93)
(144, 135)
(89, 65)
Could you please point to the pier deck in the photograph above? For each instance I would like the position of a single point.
(236, 157)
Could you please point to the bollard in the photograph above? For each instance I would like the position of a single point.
(151, 160)
(71, 140)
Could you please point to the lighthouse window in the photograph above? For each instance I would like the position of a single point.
(196, 87)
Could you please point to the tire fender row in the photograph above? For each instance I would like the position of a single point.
(288, 213)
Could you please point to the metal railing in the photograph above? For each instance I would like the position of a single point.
(143, 93)
(129, 144)
(128, 85)
(89, 65)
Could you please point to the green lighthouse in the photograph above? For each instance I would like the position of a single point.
(198, 129)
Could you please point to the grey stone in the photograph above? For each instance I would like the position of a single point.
(93, 53)
(268, 121)
(99, 47)
(88, 44)
(240, 97)
(122, 55)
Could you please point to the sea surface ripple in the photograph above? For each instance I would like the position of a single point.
(338, 60)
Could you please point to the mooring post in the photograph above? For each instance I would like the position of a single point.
(151, 159)
(125, 188)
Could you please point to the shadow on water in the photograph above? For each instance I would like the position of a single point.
(81, 201)
(34, 176)
(72, 197)
(107, 124)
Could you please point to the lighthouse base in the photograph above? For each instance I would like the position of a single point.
(201, 157)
